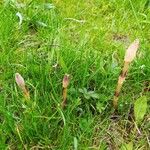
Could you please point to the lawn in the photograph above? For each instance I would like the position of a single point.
(87, 39)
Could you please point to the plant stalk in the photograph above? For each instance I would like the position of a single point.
(121, 80)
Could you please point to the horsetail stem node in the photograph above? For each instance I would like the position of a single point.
(65, 84)
(21, 84)
(129, 57)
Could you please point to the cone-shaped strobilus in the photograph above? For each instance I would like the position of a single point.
(21, 84)
(65, 84)
(129, 56)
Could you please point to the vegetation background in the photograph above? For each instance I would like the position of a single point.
(87, 39)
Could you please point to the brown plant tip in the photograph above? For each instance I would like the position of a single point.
(66, 81)
(131, 51)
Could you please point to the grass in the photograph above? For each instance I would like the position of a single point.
(87, 40)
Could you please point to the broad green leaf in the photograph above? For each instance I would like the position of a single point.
(89, 94)
(93, 94)
(140, 107)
